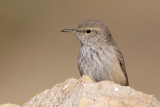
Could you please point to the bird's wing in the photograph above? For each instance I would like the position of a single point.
(122, 64)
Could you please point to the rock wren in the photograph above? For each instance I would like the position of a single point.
(99, 55)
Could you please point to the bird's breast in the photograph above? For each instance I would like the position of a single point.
(100, 64)
(94, 58)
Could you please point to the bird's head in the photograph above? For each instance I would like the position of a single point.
(92, 32)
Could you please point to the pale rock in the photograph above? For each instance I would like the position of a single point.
(86, 93)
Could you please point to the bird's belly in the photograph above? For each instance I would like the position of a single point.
(96, 68)
(100, 66)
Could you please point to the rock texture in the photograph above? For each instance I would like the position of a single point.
(86, 93)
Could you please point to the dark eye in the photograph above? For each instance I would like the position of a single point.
(88, 31)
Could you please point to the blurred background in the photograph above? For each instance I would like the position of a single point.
(35, 55)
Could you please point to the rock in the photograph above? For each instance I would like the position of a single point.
(86, 93)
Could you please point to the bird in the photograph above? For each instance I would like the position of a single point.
(99, 55)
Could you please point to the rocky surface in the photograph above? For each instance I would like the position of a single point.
(86, 93)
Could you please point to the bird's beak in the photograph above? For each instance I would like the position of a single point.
(69, 30)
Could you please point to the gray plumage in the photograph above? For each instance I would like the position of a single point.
(99, 56)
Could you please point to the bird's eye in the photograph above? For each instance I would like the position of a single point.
(88, 31)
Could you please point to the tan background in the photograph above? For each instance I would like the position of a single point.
(34, 55)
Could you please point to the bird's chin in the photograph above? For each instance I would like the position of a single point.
(81, 39)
